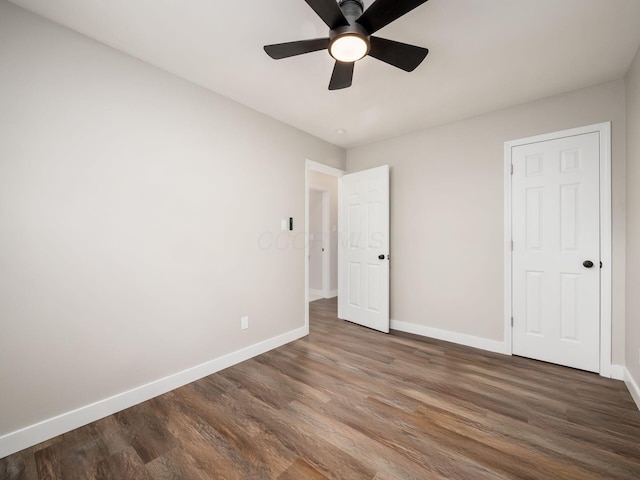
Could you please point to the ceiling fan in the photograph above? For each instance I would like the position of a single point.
(350, 37)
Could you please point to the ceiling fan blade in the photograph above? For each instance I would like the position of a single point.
(342, 76)
(329, 12)
(383, 12)
(401, 55)
(290, 49)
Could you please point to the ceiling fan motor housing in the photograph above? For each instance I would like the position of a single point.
(352, 10)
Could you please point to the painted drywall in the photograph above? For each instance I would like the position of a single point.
(139, 220)
(447, 213)
(315, 240)
(632, 84)
(330, 184)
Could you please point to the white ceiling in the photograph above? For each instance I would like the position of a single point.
(484, 55)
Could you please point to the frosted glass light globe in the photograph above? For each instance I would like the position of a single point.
(348, 48)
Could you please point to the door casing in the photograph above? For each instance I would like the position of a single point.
(604, 130)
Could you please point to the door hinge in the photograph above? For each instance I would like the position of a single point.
(512, 169)
(512, 245)
(512, 321)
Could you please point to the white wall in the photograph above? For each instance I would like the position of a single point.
(330, 184)
(132, 212)
(315, 240)
(447, 210)
(633, 222)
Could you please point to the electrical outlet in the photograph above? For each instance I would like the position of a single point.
(244, 323)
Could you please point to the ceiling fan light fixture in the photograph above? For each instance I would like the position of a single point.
(351, 30)
(349, 48)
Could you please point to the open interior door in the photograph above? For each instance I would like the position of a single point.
(363, 253)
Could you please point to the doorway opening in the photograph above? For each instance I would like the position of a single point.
(322, 185)
(359, 276)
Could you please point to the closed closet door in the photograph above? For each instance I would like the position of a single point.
(556, 251)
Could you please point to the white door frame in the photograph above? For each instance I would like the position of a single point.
(604, 129)
(326, 238)
(327, 170)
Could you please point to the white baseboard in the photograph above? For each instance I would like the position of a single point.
(632, 386)
(448, 336)
(321, 293)
(617, 372)
(26, 437)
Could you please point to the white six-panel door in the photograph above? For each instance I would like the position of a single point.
(364, 248)
(555, 228)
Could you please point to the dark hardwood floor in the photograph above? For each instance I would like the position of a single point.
(349, 403)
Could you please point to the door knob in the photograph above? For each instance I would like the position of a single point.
(381, 257)
(587, 263)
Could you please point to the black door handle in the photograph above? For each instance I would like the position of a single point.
(587, 263)
(381, 257)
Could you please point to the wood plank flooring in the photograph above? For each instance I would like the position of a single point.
(348, 403)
